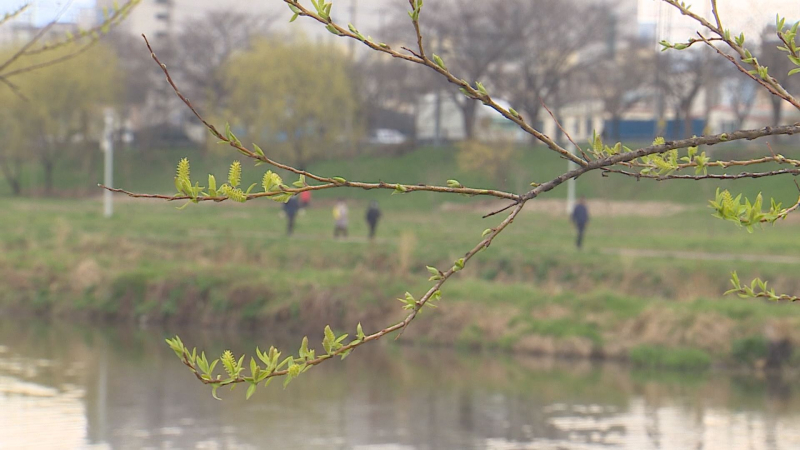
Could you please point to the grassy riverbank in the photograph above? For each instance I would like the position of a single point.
(644, 283)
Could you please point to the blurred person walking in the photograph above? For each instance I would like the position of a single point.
(340, 219)
(580, 217)
(290, 208)
(373, 214)
(305, 199)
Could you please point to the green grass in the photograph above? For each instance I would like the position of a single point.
(153, 171)
(233, 263)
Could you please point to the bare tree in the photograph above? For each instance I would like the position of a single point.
(622, 80)
(474, 41)
(779, 66)
(742, 94)
(544, 58)
(686, 73)
(206, 44)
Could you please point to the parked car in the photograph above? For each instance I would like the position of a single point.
(386, 136)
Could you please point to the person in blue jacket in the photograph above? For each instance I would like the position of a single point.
(580, 217)
(290, 208)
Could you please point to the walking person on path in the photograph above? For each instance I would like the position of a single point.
(580, 217)
(290, 208)
(373, 214)
(340, 219)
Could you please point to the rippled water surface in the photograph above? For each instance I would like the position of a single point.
(82, 387)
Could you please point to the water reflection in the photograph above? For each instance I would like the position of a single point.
(78, 387)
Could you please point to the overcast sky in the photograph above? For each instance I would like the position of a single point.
(743, 15)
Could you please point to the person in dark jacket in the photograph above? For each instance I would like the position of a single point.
(290, 208)
(580, 217)
(373, 214)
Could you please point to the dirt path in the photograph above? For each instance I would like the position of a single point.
(699, 256)
(597, 207)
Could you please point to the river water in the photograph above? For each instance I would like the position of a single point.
(84, 387)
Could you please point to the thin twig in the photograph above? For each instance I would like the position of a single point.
(499, 210)
(484, 243)
(51, 62)
(14, 88)
(35, 38)
(562, 129)
(715, 11)
(471, 91)
(714, 176)
(329, 182)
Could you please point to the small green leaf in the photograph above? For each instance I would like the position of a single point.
(300, 183)
(439, 61)
(486, 232)
(251, 390)
(360, 332)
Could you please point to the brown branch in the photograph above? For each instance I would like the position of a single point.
(772, 89)
(35, 38)
(13, 14)
(14, 88)
(715, 11)
(499, 210)
(330, 182)
(405, 188)
(726, 164)
(670, 145)
(777, 88)
(118, 15)
(714, 176)
(51, 62)
(418, 33)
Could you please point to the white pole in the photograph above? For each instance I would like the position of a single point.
(571, 182)
(108, 148)
(571, 165)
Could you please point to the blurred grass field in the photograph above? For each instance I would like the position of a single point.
(648, 276)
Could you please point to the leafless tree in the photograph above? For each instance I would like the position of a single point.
(473, 41)
(684, 75)
(742, 94)
(543, 60)
(623, 79)
(207, 43)
(779, 66)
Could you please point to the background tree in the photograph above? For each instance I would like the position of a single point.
(742, 94)
(297, 97)
(473, 41)
(206, 44)
(779, 66)
(60, 112)
(544, 55)
(684, 74)
(622, 80)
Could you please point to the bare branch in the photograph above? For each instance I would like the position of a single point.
(715, 176)
(563, 130)
(35, 38)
